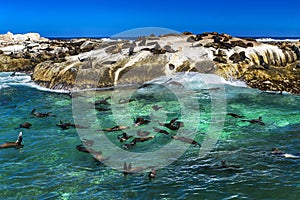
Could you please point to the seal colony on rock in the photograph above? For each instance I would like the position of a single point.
(267, 66)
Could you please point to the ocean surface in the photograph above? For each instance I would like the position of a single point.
(50, 167)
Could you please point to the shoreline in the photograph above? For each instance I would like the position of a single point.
(134, 85)
(55, 64)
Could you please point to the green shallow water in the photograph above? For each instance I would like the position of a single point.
(50, 167)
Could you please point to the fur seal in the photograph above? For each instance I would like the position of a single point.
(67, 125)
(140, 121)
(41, 115)
(25, 125)
(255, 121)
(278, 152)
(136, 140)
(124, 137)
(87, 142)
(142, 139)
(152, 174)
(173, 124)
(225, 165)
(235, 115)
(131, 51)
(131, 170)
(161, 131)
(186, 140)
(102, 101)
(17, 144)
(102, 109)
(82, 148)
(115, 128)
(97, 154)
(156, 107)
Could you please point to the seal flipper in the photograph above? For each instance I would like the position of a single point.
(125, 171)
(129, 167)
(152, 174)
(20, 139)
(173, 120)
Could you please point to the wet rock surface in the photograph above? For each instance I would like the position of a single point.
(89, 63)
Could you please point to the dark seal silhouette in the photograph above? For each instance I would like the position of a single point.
(235, 115)
(278, 152)
(173, 124)
(255, 121)
(186, 140)
(26, 125)
(115, 128)
(40, 115)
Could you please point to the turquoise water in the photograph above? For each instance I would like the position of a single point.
(50, 167)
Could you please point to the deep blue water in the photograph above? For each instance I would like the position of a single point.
(50, 167)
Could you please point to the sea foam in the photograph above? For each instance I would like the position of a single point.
(22, 79)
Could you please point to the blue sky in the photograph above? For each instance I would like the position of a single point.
(106, 18)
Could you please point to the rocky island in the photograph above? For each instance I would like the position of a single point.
(55, 64)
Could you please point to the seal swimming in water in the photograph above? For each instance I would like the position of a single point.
(225, 165)
(235, 115)
(186, 140)
(156, 107)
(140, 121)
(161, 131)
(41, 115)
(87, 142)
(102, 101)
(131, 170)
(136, 140)
(255, 121)
(17, 144)
(142, 139)
(82, 148)
(152, 174)
(115, 128)
(173, 124)
(25, 125)
(67, 125)
(278, 152)
(97, 154)
(124, 137)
